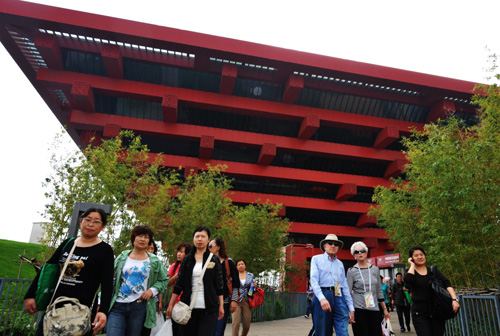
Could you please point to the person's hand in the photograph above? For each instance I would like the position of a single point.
(99, 322)
(160, 307)
(455, 305)
(351, 317)
(325, 305)
(404, 288)
(410, 261)
(221, 312)
(386, 314)
(146, 295)
(233, 307)
(30, 305)
(169, 311)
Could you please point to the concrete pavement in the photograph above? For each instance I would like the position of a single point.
(300, 326)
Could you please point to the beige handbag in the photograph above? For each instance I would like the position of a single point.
(72, 319)
(182, 312)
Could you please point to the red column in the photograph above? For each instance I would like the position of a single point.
(309, 126)
(228, 78)
(82, 96)
(395, 168)
(267, 153)
(386, 136)
(365, 220)
(111, 131)
(346, 191)
(169, 106)
(49, 49)
(440, 110)
(206, 146)
(293, 87)
(112, 59)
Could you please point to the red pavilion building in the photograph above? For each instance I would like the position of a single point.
(315, 133)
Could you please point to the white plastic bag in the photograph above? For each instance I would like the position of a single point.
(160, 320)
(387, 328)
(166, 329)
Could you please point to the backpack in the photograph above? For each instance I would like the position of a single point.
(441, 307)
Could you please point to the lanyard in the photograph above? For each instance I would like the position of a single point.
(331, 264)
(369, 278)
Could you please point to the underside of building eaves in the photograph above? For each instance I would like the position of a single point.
(315, 133)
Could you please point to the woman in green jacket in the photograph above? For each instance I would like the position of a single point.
(139, 277)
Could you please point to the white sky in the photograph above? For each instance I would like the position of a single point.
(440, 37)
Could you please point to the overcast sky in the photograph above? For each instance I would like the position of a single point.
(445, 38)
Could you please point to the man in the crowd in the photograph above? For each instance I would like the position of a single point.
(401, 302)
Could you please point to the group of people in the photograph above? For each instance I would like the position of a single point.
(340, 299)
(130, 286)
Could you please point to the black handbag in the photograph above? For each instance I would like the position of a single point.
(441, 307)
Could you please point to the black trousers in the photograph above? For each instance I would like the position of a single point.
(403, 311)
(200, 324)
(425, 326)
(368, 323)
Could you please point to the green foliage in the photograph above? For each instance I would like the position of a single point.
(449, 200)
(278, 308)
(121, 172)
(9, 259)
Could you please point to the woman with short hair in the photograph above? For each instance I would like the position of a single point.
(243, 310)
(92, 267)
(139, 277)
(208, 304)
(417, 278)
(366, 292)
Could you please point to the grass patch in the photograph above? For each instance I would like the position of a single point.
(9, 251)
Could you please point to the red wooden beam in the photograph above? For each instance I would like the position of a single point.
(206, 146)
(346, 191)
(169, 106)
(293, 87)
(386, 136)
(193, 132)
(49, 49)
(365, 220)
(395, 168)
(309, 126)
(267, 153)
(82, 97)
(112, 59)
(219, 102)
(228, 78)
(441, 110)
(300, 202)
(270, 172)
(339, 230)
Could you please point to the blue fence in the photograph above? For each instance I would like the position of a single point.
(479, 315)
(13, 319)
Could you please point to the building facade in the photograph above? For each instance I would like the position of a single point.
(314, 133)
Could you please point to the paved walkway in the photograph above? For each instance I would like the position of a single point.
(300, 326)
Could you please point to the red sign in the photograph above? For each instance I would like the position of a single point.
(388, 259)
(372, 261)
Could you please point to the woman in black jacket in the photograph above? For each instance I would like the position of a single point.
(218, 247)
(417, 279)
(208, 307)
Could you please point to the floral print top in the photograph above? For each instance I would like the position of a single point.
(135, 274)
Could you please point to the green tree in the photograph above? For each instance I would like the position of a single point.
(121, 172)
(448, 201)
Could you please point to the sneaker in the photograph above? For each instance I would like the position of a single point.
(409, 329)
(306, 316)
(402, 330)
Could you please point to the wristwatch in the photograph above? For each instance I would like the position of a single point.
(455, 300)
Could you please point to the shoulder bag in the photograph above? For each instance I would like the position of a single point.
(73, 318)
(182, 312)
(47, 282)
(441, 307)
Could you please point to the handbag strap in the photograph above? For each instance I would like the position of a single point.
(63, 270)
(228, 276)
(199, 281)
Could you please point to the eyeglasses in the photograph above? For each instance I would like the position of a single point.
(359, 251)
(337, 244)
(89, 220)
(210, 245)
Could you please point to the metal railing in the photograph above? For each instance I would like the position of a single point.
(479, 315)
(13, 319)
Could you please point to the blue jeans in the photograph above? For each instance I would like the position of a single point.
(220, 325)
(126, 319)
(338, 317)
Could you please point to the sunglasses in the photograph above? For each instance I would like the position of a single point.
(359, 251)
(333, 243)
(210, 245)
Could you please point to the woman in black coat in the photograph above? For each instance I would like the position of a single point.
(209, 305)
